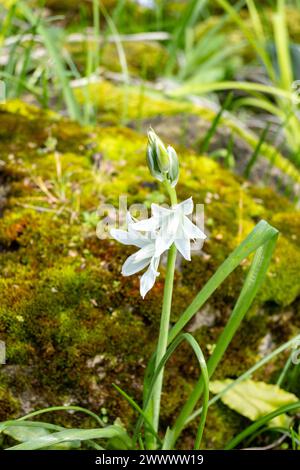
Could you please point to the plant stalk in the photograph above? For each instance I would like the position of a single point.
(164, 324)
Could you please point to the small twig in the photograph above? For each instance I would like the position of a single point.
(270, 446)
(37, 208)
(42, 185)
(77, 37)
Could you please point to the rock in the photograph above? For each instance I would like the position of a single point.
(72, 324)
(205, 317)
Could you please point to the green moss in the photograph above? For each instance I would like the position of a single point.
(282, 284)
(114, 102)
(143, 59)
(289, 223)
(72, 324)
(9, 407)
(221, 426)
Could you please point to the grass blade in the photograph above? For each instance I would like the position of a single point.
(255, 154)
(212, 130)
(250, 36)
(202, 363)
(38, 424)
(282, 47)
(265, 419)
(260, 235)
(74, 435)
(201, 88)
(51, 45)
(122, 59)
(256, 21)
(190, 15)
(62, 408)
(137, 408)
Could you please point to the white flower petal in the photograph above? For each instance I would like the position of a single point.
(186, 207)
(183, 245)
(171, 225)
(133, 265)
(197, 245)
(129, 238)
(191, 230)
(158, 212)
(147, 252)
(121, 236)
(148, 279)
(146, 225)
(162, 243)
(139, 239)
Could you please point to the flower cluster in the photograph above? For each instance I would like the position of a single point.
(165, 227)
(154, 236)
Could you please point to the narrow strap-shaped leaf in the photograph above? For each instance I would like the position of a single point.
(190, 15)
(61, 408)
(256, 152)
(202, 363)
(262, 233)
(214, 125)
(282, 42)
(32, 424)
(262, 240)
(150, 369)
(205, 379)
(74, 434)
(136, 407)
(265, 419)
(256, 22)
(249, 34)
(22, 422)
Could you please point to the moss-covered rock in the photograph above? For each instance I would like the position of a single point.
(72, 324)
(9, 406)
(143, 59)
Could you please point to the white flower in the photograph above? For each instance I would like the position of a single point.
(154, 236)
(144, 257)
(172, 226)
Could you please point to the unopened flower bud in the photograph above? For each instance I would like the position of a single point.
(162, 161)
(153, 164)
(173, 172)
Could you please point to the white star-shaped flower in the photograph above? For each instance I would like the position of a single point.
(154, 236)
(172, 226)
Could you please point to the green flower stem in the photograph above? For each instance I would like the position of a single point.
(171, 192)
(164, 322)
